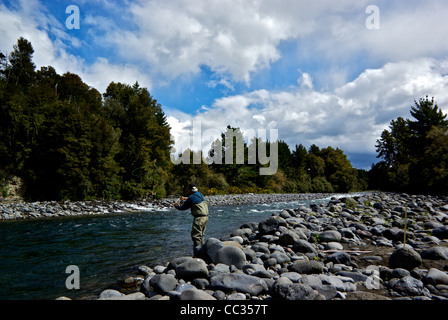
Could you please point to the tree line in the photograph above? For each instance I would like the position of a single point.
(66, 140)
(414, 152)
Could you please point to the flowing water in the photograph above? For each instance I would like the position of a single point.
(34, 254)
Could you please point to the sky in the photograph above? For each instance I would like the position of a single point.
(325, 72)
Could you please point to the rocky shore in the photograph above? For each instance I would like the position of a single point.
(13, 210)
(377, 246)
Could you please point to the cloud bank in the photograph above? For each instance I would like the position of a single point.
(348, 81)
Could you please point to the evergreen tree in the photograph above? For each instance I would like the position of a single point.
(410, 156)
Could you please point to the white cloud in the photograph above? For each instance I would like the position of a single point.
(31, 20)
(351, 117)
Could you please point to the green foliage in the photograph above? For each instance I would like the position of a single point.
(414, 152)
(58, 134)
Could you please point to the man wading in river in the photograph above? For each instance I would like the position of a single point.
(199, 210)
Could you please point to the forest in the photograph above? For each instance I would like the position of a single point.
(67, 141)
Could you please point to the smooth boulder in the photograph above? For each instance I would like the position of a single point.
(231, 255)
(406, 258)
(244, 283)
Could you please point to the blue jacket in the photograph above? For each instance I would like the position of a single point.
(193, 199)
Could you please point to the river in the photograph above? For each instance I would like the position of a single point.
(34, 254)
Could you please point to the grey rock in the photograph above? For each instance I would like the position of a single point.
(409, 286)
(293, 276)
(334, 246)
(435, 277)
(219, 295)
(289, 237)
(356, 276)
(131, 296)
(144, 270)
(306, 267)
(268, 225)
(280, 257)
(195, 294)
(192, 269)
(243, 232)
(270, 262)
(210, 248)
(340, 257)
(337, 283)
(330, 236)
(400, 273)
(200, 283)
(440, 232)
(303, 246)
(435, 253)
(238, 282)
(284, 288)
(162, 283)
(311, 280)
(110, 293)
(231, 255)
(406, 258)
(328, 291)
(236, 296)
(184, 286)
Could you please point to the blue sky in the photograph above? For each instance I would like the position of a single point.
(311, 69)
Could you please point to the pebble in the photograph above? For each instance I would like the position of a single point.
(347, 248)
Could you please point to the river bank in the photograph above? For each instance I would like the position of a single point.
(15, 210)
(376, 246)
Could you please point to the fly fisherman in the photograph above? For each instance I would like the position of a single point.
(199, 210)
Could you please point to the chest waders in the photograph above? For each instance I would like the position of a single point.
(200, 213)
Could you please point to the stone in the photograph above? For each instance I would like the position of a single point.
(356, 276)
(284, 288)
(435, 277)
(162, 283)
(400, 273)
(177, 261)
(333, 246)
(110, 293)
(228, 282)
(330, 236)
(406, 258)
(440, 232)
(236, 296)
(219, 295)
(306, 267)
(288, 238)
(200, 283)
(435, 253)
(337, 283)
(210, 249)
(144, 270)
(131, 296)
(311, 280)
(230, 255)
(303, 246)
(195, 294)
(192, 269)
(268, 225)
(409, 286)
(243, 232)
(365, 295)
(293, 276)
(159, 269)
(280, 257)
(261, 247)
(340, 257)
(328, 291)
